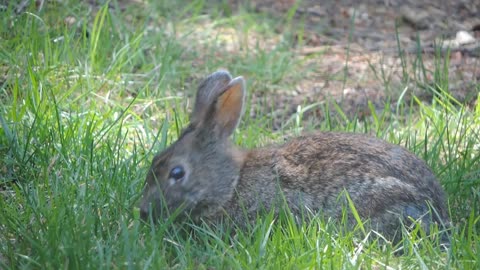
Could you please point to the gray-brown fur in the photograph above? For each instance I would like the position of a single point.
(385, 181)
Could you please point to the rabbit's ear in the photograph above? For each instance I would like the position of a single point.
(228, 107)
(207, 92)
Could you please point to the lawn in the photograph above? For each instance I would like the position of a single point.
(90, 91)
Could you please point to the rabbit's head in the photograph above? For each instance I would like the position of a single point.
(197, 174)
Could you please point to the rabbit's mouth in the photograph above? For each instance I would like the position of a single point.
(159, 210)
(175, 205)
(152, 210)
(159, 206)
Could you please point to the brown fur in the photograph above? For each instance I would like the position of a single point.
(387, 183)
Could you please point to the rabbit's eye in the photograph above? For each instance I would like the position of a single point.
(177, 173)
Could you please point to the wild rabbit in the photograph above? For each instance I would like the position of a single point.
(204, 175)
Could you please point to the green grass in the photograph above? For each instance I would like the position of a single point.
(84, 107)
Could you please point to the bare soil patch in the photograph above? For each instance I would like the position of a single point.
(371, 50)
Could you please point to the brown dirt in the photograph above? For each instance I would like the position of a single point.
(360, 50)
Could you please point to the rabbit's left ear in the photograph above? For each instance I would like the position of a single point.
(207, 92)
(227, 109)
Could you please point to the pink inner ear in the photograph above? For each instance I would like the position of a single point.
(229, 107)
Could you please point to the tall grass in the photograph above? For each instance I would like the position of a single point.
(84, 107)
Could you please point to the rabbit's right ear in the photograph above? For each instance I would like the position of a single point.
(220, 108)
(229, 107)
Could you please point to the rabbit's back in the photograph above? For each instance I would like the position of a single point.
(385, 181)
(324, 162)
